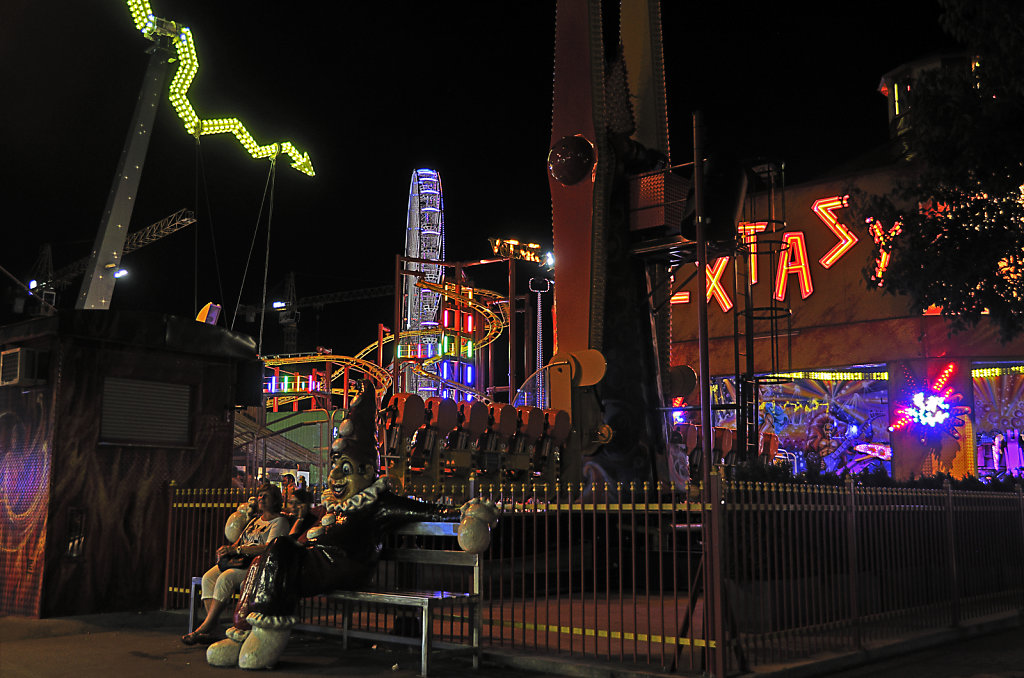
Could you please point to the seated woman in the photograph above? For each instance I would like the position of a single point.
(218, 583)
(300, 506)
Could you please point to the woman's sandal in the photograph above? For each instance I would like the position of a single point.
(197, 637)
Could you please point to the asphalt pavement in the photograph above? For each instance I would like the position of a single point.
(147, 644)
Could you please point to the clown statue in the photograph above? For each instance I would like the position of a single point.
(359, 510)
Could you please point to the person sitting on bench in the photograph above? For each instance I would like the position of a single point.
(341, 552)
(225, 577)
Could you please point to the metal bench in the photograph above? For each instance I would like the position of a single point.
(404, 591)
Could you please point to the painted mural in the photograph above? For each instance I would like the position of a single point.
(26, 423)
(851, 425)
(840, 426)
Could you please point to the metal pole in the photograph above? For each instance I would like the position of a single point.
(511, 329)
(397, 327)
(954, 573)
(713, 608)
(105, 259)
(704, 374)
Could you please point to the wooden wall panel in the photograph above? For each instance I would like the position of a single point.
(121, 490)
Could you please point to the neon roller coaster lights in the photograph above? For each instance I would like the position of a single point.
(152, 26)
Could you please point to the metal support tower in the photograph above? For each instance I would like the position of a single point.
(105, 259)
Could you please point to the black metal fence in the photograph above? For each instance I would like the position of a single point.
(719, 579)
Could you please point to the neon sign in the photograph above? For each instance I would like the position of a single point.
(825, 209)
(714, 275)
(513, 249)
(793, 260)
(748, 232)
(884, 240)
(934, 406)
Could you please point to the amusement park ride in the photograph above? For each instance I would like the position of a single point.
(617, 217)
(611, 316)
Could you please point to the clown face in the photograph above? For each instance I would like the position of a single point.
(349, 477)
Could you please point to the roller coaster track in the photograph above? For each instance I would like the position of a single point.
(479, 300)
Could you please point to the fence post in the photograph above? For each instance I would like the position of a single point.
(1020, 513)
(713, 573)
(170, 489)
(954, 575)
(851, 548)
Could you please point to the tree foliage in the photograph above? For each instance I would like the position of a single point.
(960, 211)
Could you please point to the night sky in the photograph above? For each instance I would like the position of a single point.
(373, 91)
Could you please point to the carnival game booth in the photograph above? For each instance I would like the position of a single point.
(100, 411)
(830, 363)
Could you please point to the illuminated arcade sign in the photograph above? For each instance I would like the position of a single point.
(883, 238)
(934, 406)
(825, 209)
(513, 249)
(793, 259)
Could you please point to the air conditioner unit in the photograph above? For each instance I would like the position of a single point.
(19, 367)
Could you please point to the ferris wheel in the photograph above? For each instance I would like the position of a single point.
(424, 239)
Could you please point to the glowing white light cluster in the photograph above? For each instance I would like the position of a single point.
(931, 410)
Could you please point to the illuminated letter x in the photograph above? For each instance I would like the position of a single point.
(714, 275)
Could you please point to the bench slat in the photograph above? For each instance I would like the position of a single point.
(431, 557)
(410, 598)
(426, 601)
(435, 529)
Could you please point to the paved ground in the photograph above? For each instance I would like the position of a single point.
(147, 644)
(127, 645)
(995, 655)
(993, 649)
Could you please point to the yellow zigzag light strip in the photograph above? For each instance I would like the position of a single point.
(150, 25)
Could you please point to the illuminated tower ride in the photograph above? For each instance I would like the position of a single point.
(424, 239)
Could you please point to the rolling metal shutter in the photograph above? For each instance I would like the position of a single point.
(145, 412)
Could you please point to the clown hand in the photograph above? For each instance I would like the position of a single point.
(478, 517)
